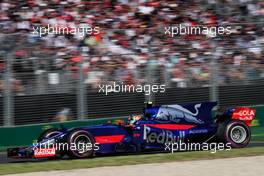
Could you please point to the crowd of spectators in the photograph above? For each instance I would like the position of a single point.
(132, 44)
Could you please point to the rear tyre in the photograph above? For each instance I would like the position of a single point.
(81, 144)
(234, 132)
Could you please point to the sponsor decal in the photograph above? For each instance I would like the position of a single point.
(255, 122)
(152, 135)
(171, 126)
(136, 135)
(44, 152)
(198, 131)
(246, 114)
(109, 139)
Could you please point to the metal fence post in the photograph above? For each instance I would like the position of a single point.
(8, 95)
(213, 83)
(39, 78)
(214, 91)
(150, 97)
(81, 93)
(167, 76)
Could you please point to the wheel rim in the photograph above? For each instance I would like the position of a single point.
(238, 134)
(82, 140)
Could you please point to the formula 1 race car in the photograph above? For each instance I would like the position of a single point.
(155, 129)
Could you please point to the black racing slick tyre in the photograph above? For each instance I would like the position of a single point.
(234, 132)
(48, 134)
(81, 144)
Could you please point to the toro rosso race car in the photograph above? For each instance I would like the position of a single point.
(157, 127)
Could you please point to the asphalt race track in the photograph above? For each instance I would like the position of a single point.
(4, 159)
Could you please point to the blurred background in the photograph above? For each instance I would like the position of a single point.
(43, 78)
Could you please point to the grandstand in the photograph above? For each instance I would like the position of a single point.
(64, 70)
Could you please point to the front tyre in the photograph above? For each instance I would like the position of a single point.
(48, 134)
(81, 144)
(234, 132)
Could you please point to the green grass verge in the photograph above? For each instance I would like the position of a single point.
(125, 160)
(257, 133)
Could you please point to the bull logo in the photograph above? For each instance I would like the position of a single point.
(176, 113)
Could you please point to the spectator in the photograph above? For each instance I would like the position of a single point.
(135, 29)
